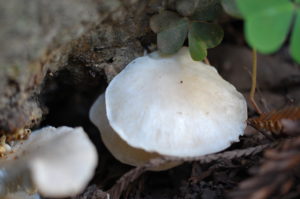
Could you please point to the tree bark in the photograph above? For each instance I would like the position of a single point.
(92, 40)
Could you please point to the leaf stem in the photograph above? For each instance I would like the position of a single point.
(253, 84)
(206, 61)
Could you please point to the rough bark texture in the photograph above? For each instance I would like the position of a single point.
(40, 38)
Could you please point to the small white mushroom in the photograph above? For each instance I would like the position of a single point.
(118, 147)
(171, 106)
(56, 162)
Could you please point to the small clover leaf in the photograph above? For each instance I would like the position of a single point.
(267, 24)
(211, 34)
(253, 7)
(170, 40)
(203, 36)
(266, 36)
(163, 20)
(197, 48)
(171, 31)
(295, 39)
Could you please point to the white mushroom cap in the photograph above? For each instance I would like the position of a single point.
(118, 147)
(175, 106)
(57, 162)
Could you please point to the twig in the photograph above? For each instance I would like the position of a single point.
(206, 61)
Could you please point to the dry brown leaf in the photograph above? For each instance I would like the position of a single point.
(273, 121)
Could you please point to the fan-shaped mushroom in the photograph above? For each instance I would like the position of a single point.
(169, 106)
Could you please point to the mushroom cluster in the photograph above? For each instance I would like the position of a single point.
(168, 106)
(55, 162)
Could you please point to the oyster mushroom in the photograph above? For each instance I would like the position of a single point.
(169, 106)
(130, 155)
(56, 162)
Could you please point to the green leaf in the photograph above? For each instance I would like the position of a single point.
(267, 31)
(267, 22)
(295, 40)
(253, 7)
(197, 48)
(231, 8)
(210, 34)
(163, 20)
(203, 36)
(206, 10)
(171, 39)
